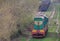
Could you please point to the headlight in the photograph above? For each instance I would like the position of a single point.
(34, 30)
(42, 31)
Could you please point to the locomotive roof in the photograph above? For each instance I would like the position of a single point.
(40, 15)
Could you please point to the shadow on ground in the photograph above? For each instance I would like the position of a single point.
(50, 35)
(53, 34)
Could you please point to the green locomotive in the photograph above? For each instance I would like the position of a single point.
(40, 28)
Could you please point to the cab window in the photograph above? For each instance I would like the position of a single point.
(37, 22)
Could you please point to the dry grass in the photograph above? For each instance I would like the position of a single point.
(13, 12)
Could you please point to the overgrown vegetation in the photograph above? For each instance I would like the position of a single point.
(15, 15)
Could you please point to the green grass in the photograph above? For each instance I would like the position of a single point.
(49, 39)
(23, 39)
(45, 39)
